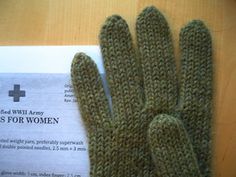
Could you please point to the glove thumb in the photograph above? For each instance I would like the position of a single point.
(171, 149)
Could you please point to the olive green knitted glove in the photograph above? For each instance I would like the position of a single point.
(142, 89)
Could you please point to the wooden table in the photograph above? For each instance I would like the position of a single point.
(77, 22)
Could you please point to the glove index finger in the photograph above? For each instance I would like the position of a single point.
(121, 68)
(89, 91)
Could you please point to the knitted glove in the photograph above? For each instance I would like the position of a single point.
(140, 94)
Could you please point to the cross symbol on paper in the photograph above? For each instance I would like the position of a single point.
(16, 93)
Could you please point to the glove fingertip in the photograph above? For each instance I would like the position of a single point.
(195, 33)
(113, 25)
(80, 59)
(161, 126)
(171, 148)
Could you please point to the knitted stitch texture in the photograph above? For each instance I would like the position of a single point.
(151, 128)
(171, 148)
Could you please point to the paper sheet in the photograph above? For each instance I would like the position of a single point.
(41, 131)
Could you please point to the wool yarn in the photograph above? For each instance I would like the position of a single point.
(157, 125)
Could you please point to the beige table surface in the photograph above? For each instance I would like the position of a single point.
(77, 22)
